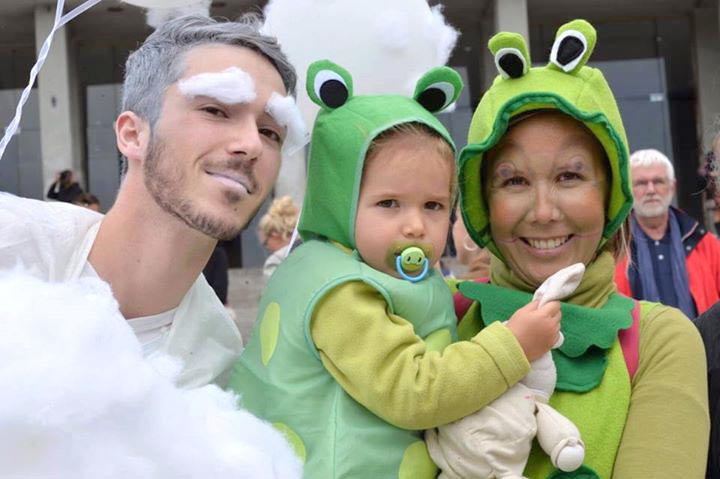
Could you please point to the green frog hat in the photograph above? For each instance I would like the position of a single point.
(565, 84)
(344, 129)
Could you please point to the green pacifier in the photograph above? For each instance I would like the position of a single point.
(412, 260)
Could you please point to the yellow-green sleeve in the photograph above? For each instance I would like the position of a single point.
(667, 429)
(380, 361)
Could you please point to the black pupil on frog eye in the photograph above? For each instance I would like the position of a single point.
(512, 65)
(333, 93)
(570, 48)
(433, 99)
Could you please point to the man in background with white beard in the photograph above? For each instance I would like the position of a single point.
(673, 259)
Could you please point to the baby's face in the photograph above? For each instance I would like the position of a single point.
(405, 200)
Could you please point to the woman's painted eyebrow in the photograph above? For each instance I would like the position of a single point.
(504, 170)
(576, 164)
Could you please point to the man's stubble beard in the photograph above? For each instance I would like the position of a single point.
(164, 185)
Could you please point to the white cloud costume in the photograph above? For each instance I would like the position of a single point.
(52, 241)
(79, 400)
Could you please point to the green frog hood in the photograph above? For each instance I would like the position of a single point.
(565, 84)
(344, 129)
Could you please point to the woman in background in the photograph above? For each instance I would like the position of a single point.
(275, 231)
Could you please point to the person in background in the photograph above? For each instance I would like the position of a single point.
(64, 188)
(708, 324)
(275, 231)
(709, 176)
(89, 201)
(673, 259)
(474, 260)
(216, 274)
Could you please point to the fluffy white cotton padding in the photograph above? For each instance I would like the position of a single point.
(386, 46)
(230, 86)
(285, 111)
(79, 401)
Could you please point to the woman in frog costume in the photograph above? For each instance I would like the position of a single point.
(351, 355)
(544, 184)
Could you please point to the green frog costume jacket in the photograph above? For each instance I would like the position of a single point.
(289, 375)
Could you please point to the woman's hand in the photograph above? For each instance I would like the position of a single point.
(536, 329)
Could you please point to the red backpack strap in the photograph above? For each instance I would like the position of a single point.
(462, 303)
(630, 341)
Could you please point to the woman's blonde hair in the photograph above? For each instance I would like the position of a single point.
(280, 218)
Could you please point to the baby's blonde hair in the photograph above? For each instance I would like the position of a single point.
(418, 130)
(280, 218)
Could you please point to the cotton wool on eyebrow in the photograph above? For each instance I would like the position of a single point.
(285, 111)
(230, 86)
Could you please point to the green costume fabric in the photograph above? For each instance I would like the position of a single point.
(281, 379)
(589, 332)
(380, 361)
(593, 388)
(581, 92)
(667, 427)
(280, 375)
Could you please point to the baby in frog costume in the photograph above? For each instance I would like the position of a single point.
(355, 350)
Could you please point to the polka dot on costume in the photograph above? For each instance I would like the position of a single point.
(293, 438)
(416, 462)
(438, 340)
(269, 328)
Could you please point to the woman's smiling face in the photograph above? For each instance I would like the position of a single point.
(546, 189)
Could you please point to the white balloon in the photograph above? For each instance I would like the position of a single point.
(160, 3)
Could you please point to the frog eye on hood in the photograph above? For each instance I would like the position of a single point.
(568, 49)
(510, 63)
(512, 59)
(328, 85)
(438, 89)
(574, 43)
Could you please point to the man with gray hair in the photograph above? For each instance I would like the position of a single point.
(673, 259)
(205, 115)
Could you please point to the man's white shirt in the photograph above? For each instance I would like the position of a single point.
(52, 241)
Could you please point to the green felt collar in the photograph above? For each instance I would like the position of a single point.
(589, 332)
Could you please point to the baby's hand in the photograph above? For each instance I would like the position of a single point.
(536, 329)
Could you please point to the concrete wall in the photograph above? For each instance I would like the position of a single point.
(61, 135)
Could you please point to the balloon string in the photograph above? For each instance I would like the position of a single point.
(293, 238)
(60, 20)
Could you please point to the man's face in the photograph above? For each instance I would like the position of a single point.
(652, 189)
(212, 160)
